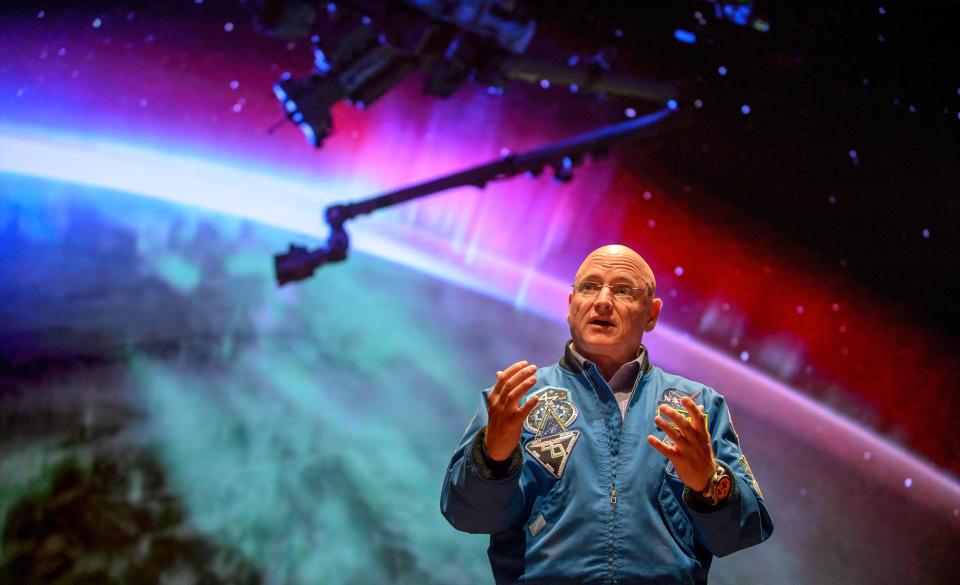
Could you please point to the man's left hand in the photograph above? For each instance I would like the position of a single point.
(691, 452)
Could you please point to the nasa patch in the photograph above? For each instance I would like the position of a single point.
(672, 397)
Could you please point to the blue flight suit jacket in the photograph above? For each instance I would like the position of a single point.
(587, 500)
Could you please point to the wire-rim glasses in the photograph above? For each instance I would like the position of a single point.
(620, 291)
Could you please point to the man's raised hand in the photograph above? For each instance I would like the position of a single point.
(691, 452)
(504, 418)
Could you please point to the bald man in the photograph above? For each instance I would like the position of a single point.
(603, 468)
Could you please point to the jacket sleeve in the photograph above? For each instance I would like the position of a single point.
(742, 520)
(475, 498)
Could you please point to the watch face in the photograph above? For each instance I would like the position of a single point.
(722, 489)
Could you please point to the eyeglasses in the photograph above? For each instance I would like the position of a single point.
(623, 292)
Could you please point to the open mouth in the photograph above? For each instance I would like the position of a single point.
(601, 323)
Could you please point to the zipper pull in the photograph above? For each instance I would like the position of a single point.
(613, 496)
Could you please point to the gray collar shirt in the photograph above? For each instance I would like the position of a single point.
(623, 381)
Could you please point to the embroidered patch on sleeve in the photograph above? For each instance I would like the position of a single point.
(753, 479)
(549, 421)
(736, 437)
(537, 525)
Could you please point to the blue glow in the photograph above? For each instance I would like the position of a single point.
(722, 70)
(745, 109)
(738, 14)
(261, 195)
(672, 104)
(320, 61)
(196, 181)
(685, 36)
(308, 132)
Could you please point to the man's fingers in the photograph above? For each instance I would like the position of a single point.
(514, 397)
(521, 375)
(661, 447)
(696, 414)
(515, 380)
(674, 416)
(495, 391)
(669, 429)
(528, 406)
(502, 377)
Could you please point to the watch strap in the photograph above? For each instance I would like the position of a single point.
(718, 488)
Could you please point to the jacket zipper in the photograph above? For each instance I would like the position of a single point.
(616, 468)
(613, 483)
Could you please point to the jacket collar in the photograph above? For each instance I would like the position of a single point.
(571, 363)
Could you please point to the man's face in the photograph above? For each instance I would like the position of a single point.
(603, 325)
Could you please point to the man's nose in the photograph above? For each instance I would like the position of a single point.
(604, 297)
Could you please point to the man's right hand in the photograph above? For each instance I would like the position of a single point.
(504, 418)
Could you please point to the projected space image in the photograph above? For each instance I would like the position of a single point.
(169, 414)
